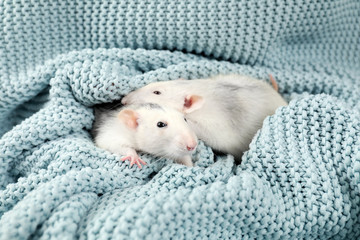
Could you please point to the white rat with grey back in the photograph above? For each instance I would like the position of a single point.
(150, 128)
(224, 111)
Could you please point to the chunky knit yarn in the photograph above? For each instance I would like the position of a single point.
(299, 180)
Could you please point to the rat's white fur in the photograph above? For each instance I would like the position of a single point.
(232, 110)
(170, 142)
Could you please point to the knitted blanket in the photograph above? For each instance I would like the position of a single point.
(299, 180)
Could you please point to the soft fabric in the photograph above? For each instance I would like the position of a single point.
(299, 180)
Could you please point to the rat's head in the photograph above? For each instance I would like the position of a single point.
(161, 131)
(174, 94)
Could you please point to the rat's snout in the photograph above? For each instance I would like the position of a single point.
(124, 100)
(187, 142)
(131, 98)
(191, 145)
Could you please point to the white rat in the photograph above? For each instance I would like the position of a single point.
(224, 111)
(150, 128)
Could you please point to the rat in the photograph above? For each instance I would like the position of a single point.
(225, 111)
(147, 127)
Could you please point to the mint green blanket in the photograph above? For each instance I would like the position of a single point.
(300, 178)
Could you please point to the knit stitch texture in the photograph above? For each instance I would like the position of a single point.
(299, 180)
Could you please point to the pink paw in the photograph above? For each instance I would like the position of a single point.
(133, 160)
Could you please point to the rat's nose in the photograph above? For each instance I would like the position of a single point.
(191, 147)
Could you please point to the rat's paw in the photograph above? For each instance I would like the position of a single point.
(186, 160)
(134, 159)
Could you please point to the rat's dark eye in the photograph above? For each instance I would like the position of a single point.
(157, 92)
(161, 124)
(185, 119)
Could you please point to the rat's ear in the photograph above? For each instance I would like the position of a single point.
(129, 117)
(192, 103)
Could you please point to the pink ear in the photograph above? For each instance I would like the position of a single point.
(129, 117)
(192, 103)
